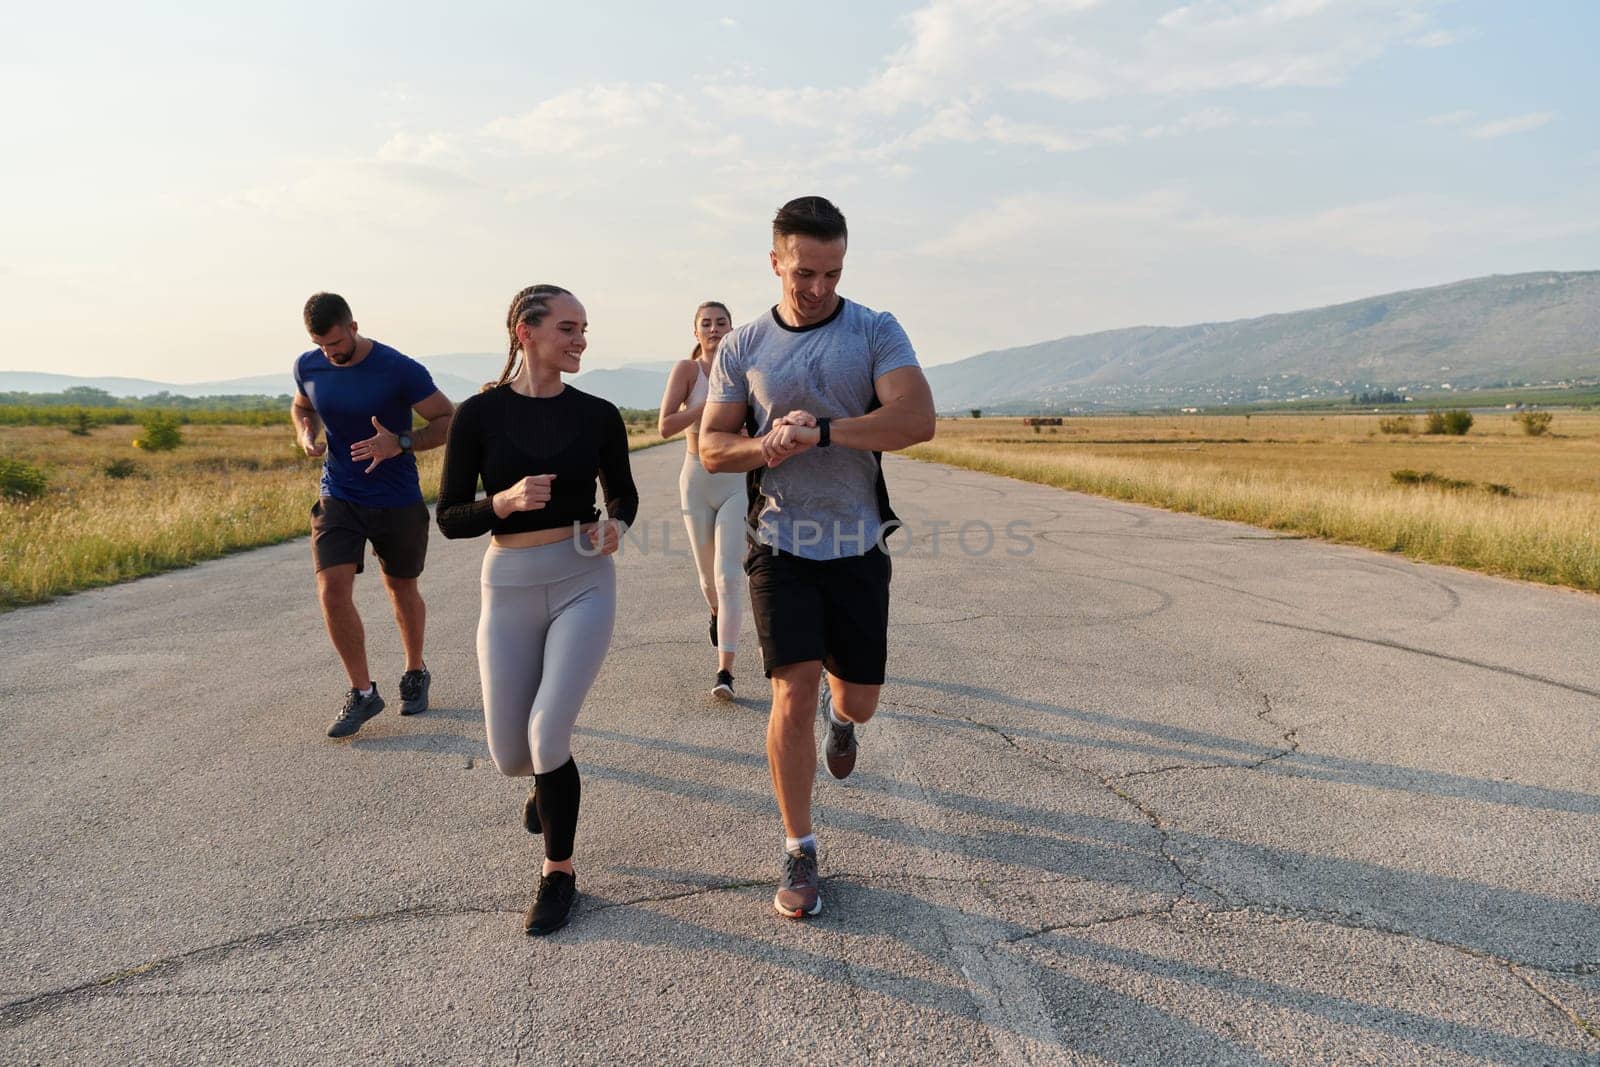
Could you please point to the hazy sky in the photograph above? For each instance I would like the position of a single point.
(177, 181)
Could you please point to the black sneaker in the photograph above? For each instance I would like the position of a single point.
(723, 690)
(551, 905)
(530, 813)
(713, 629)
(840, 749)
(797, 895)
(357, 710)
(414, 691)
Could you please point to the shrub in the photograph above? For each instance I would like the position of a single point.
(1406, 476)
(82, 423)
(161, 433)
(1454, 422)
(1398, 424)
(1535, 423)
(121, 468)
(977, 413)
(21, 481)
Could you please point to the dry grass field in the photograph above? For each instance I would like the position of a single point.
(226, 488)
(1330, 477)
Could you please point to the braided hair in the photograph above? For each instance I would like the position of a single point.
(530, 305)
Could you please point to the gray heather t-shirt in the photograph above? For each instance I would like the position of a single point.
(821, 503)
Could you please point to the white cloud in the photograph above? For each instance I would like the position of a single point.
(1442, 38)
(1004, 131)
(1450, 118)
(727, 22)
(586, 121)
(432, 149)
(1515, 124)
(1026, 226)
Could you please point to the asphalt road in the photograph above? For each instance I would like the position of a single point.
(1162, 790)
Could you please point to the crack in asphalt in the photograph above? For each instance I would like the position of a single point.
(1108, 920)
(697, 891)
(1557, 1003)
(1290, 736)
(1344, 921)
(991, 728)
(17, 1012)
(1509, 672)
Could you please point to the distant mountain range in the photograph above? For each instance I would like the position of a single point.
(458, 374)
(1502, 330)
(1505, 329)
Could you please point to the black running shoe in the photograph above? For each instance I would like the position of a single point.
(414, 691)
(797, 895)
(723, 690)
(840, 749)
(713, 629)
(551, 905)
(357, 710)
(530, 813)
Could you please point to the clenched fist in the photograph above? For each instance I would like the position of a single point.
(529, 494)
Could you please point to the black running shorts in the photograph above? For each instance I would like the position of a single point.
(834, 610)
(340, 531)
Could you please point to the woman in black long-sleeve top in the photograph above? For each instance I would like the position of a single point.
(549, 583)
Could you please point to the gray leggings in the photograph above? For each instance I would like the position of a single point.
(544, 631)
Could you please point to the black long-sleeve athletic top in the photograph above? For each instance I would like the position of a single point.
(503, 437)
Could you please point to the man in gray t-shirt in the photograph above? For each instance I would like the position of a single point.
(826, 386)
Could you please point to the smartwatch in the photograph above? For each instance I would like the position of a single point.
(824, 439)
(405, 442)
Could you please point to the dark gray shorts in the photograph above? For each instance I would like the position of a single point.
(340, 531)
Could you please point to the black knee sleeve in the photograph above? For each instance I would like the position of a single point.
(557, 796)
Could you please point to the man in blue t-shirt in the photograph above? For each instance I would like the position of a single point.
(824, 385)
(362, 393)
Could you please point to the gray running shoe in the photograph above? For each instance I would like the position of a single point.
(797, 892)
(357, 710)
(839, 751)
(414, 691)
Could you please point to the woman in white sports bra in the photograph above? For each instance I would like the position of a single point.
(713, 504)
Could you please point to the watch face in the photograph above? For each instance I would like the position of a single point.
(405, 442)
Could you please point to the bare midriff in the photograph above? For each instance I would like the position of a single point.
(534, 538)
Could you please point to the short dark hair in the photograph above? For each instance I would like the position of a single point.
(324, 311)
(809, 216)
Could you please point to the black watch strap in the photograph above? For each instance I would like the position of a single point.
(824, 438)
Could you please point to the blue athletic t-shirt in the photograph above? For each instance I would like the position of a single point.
(386, 384)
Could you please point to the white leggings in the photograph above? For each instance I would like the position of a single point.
(548, 613)
(713, 510)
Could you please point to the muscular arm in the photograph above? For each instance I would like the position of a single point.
(722, 446)
(905, 419)
(679, 385)
(438, 410)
